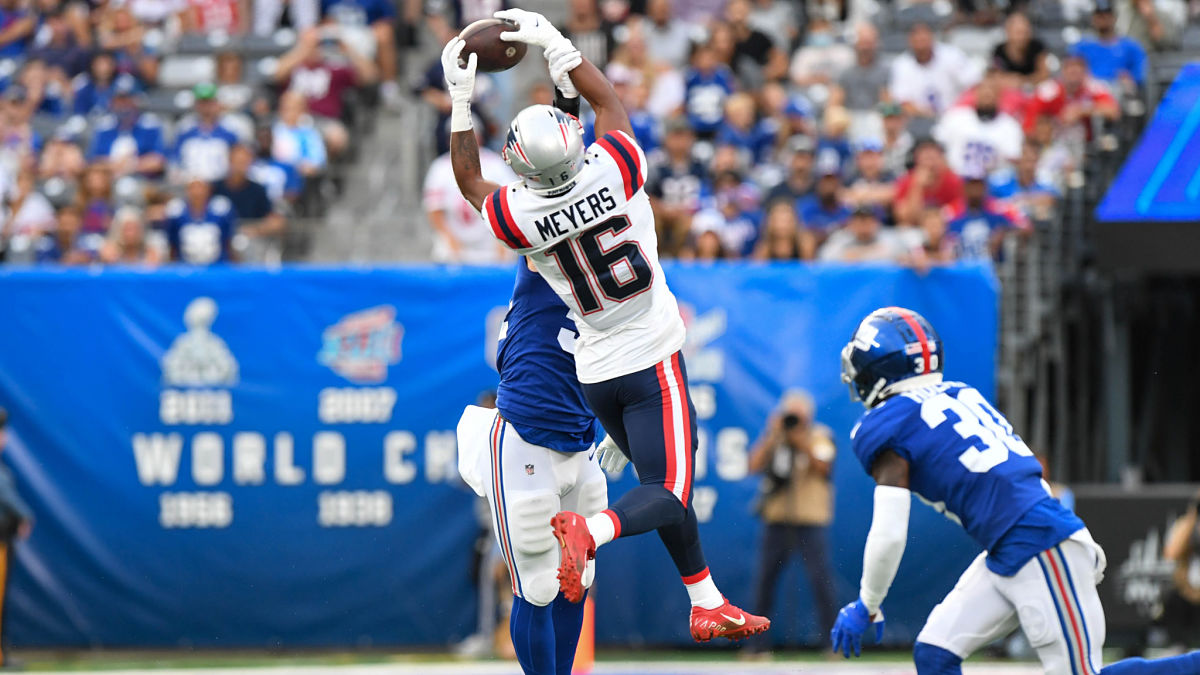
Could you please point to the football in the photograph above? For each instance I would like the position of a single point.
(495, 55)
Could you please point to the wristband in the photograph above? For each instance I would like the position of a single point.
(460, 117)
(569, 105)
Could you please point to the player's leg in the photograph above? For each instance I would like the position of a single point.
(587, 495)
(813, 543)
(777, 547)
(523, 496)
(973, 614)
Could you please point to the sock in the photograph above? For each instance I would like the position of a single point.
(604, 526)
(931, 660)
(702, 590)
(568, 620)
(1184, 664)
(532, 631)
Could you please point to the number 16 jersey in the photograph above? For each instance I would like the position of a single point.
(596, 246)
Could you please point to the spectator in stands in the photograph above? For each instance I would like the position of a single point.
(59, 43)
(220, 17)
(95, 199)
(282, 181)
(706, 244)
(20, 141)
(1116, 59)
(260, 220)
(753, 138)
(1181, 611)
(863, 239)
(269, 15)
(823, 211)
(979, 226)
(16, 523)
(1021, 187)
(295, 141)
(1056, 160)
(668, 39)
(120, 33)
(927, 243)
(200, 227)
(1155, 24)
(203, 143)
(823, 58)
(67, 244)
(61, 158)
(756, 59)
(94, 89)
(591, 32)
(930, 183)
(233, 92)
(1022, 54)
(17, 25)
(323, 67)
(708, 83)
(28, 215)
(778, 20)
(897, 140)
(833, 141)
(980, 135)
(128, 140)
(676, 183)
(45, 88)
(1073, 100)
(864, 83)
(929, 77)
(795, 454)
(460, 235)
(871, 184)
(783, 237)
(126, 243)
(799, 182)
(379, 17)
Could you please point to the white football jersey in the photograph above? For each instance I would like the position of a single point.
(476, 244)
(973, 144)
(596, 247)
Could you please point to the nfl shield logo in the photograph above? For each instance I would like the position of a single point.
(529, 469)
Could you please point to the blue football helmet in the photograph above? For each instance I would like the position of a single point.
(893, 349)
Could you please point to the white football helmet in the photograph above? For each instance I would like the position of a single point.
(545, 148)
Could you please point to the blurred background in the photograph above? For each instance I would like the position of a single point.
(242, 306)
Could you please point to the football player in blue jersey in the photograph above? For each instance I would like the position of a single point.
(532, 457)
(944, 442)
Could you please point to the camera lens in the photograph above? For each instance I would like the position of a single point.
(790, 420)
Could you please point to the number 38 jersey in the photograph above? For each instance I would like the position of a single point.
(965, 461)
(596, 247)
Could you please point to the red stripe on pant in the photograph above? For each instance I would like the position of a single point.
(668, 428)
(501, 517)
(685, 413)
(1066, 601)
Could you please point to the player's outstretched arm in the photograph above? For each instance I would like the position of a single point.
(464, 149)
(567, 64)
(881, 554)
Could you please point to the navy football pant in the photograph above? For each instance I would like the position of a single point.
(651, 417)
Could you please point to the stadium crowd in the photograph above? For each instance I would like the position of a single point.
(916, 132)
(143, 131)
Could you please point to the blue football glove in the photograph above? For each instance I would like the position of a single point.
(851, 623)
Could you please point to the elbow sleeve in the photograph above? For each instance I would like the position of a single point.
(885, 544)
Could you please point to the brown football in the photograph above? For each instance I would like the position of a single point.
(495, 55)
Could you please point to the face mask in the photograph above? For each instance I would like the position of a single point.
(820, 40)
(986, 113)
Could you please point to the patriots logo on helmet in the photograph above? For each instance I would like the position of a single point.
(891, 348)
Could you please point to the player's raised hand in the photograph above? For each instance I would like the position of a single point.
(610, 457)
(532, 28)
(460, 79)
(852, 622)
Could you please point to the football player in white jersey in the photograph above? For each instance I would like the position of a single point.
(459, 235)
(583, 219)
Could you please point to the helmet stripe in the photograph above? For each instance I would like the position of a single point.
(563, 128)
(517, 146)
(916, 326)
(506, 213)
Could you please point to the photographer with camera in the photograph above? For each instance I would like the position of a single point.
(795, 456)
(1181, 611)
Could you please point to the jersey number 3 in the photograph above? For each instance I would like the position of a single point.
(979, 420)
(620, 271)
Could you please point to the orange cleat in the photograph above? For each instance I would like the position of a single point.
(576, 548)
(726, 621)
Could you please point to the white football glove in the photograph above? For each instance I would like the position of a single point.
(460, 83)
(610, 457)
(561, 58)
(534, 29)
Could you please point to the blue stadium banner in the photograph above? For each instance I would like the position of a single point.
(248, 458)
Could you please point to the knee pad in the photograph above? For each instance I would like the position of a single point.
(931, 660)
(529, 515)
(541, 587)
(1039, 627)
(593, 497)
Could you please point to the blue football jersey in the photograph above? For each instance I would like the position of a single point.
(539, 392)
(966, 462)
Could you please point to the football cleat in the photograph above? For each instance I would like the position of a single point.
(576, 548)
(726, 621)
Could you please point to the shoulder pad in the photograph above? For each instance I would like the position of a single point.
(220, 205)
